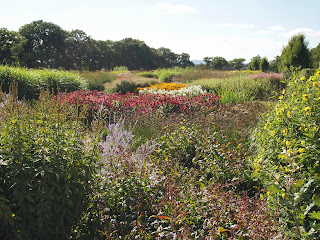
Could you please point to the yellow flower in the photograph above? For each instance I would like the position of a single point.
(283, 195)
(307, 109)
(301, 150)
(282, 156)
(288, 114)
(302, 78)
(13, 215)
(318, 99)
(305, 96)
(285, 132)
(281, 97)
(303, 143)
(316, 84)
(273, 132)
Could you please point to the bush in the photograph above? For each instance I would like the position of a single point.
(147, 74)
(287, 159)
(29, 82)
(46, 166)
(167, 77)
(125, 86)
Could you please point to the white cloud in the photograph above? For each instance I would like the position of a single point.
(307, 31)
(234, 25)
(175, 9)
(277, 28)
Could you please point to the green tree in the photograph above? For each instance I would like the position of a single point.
(219, 63)
(237, 63)
(254, 65)
(10, 46)
(77, 47)
(315, 56)
(264, 64)
(45, 44)
(208, 61)
(274, 65)
(184, 60)
(170, 58)
(296, 53)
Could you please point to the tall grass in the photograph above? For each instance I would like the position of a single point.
(243, 87)
(96, 80)
(29, 82)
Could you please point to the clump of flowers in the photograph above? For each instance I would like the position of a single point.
(165, 86)
(140, 104)
(269, 76)
(186, 91)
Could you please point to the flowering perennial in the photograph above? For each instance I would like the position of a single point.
(143, 104)
(186, 91)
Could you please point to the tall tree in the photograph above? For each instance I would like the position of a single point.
(219, 63)
(77, 47)
(237, 63)
(296, 53)
(274, 65)
(171, 58)
(264, 64)
(315, 56)
(184, 60)
(45, 44)
(11, 47)
(254, 64)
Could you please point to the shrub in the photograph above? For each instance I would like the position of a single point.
(147, 74)
(287, 158)
(125, 86)
(167, 77)
(45, 170)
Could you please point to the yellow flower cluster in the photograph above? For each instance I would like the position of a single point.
(166, 86)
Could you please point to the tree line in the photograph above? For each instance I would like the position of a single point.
(296, 53)
(42, 44)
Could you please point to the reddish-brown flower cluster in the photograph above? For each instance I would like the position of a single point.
(144, 104)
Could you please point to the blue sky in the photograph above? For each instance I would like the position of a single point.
(201, 28)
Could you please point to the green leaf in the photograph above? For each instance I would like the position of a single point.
(274, 189)
(315, 215)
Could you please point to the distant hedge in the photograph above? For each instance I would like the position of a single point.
(29, 82)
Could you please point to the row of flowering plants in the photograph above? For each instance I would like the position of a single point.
(142, 104)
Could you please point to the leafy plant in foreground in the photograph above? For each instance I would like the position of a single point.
(45, 170)
(287, 159)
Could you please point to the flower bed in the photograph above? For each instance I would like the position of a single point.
(143, 104)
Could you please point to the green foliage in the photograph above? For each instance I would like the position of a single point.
(10, 47)
(46, 166)
(315, 56)
(264, 64)
(147, 74)
(237, 63)
(97, 79)
(295, 54)
(216, 63)
(241, 87)
(44, 44)
(126, 86)
(287, 158)
(254, 64)
(29, 82)
(275, 64)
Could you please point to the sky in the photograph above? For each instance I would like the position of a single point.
(201, 28)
